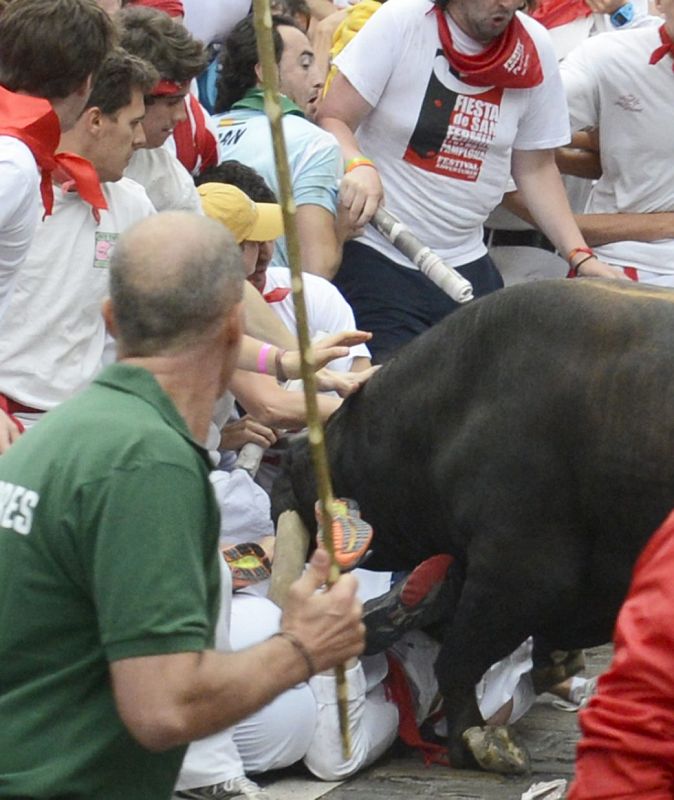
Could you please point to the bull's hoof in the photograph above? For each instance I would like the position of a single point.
(495, 750)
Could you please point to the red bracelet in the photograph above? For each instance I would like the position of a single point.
(573, 268)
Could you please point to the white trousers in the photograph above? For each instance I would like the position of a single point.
(301, 723)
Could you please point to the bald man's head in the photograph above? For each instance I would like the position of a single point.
(173, 276)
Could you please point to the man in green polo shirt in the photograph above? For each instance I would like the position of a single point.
(109, 571)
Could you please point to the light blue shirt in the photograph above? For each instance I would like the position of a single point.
(314, 158)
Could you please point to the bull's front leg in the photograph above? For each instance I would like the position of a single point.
(481, 633)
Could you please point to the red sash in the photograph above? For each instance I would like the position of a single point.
(196, 147)
(510, 62)
(553, 13)
(666, 48)
(33, 121)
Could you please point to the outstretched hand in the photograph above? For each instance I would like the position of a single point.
(332, 347)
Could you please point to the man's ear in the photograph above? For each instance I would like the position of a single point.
(258, 73)
(92, 120)
(109, 317)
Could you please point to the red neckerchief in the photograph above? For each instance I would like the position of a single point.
(666, 48)
(196, 147)
(33, 121)
(553, 13)
(277, 294)
(510, 62)
(398, 690)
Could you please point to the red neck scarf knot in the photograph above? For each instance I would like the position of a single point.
(33, 121)
(666, 48)
(510, 62)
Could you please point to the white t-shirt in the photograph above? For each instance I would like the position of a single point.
(212, 20)
(442, 147)
(20, 206)
(327, 311)
(168, 184)
(566, 37)
(53, 334)
(611, 85)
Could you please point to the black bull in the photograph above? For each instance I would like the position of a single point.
(531, 435)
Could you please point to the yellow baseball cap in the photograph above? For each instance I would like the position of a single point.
(248, 221)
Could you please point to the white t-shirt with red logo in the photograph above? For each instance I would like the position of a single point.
(611, 85)
(442, 147)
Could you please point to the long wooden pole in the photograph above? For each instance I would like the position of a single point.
(265, 48)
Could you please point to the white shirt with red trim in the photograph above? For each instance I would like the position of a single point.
(53, 335)
(443, 147)
(327, 311)
(20, 210)
(611, 85)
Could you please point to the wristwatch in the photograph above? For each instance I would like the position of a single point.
(623, 15)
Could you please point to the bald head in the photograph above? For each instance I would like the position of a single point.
(173, 277)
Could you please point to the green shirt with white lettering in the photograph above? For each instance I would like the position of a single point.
(108, 550)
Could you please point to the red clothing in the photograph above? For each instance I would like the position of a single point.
(627, 749)
(196, 143)
(553, 13)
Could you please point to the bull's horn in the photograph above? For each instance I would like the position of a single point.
(290, 554)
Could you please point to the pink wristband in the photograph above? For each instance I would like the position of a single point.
(262, 359)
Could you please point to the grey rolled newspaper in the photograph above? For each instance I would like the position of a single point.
(428, 262)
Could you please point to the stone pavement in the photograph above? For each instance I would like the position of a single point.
(550, 735)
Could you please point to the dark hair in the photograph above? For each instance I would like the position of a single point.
(164, 42)
(48, 48)
(293, 9)
(238, 58)
(242, 176)
(119, 75)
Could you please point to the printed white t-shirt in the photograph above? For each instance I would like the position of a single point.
(610, 85)
(53, 333)
(20, 206)
(442, 147)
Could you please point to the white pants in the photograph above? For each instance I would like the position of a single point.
(301, 723)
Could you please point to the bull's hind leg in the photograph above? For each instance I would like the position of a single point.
(497, 611)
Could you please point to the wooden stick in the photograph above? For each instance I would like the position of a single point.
(265, 47)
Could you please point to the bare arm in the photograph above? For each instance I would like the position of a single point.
(169, 700)
(333, 346)
(321, 8)
(543, 193)
(271, 405)
(341, 111)
(262, 323)
(598, 229)
(322, 39)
